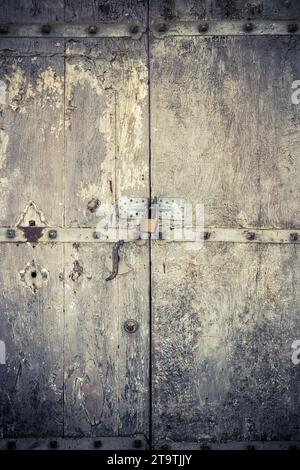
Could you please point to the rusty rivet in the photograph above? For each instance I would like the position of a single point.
(203, 27)
(250, 235)
(4, 29)
(248, 27)
(131, 326)
(137, 443)
(53, 444)
(10, 233)
(292, 27)
(162, 27)
(134, 29)
(11, 445)
(92, 29)
(97, 444)
(52, 234)
(294, 237)
(46, 29)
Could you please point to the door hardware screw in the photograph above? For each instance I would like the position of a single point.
(4, 29)
(294, 237)
(52, 234)
(11, 445)
(292, 27)
(203, 27)
(46, 29)
(10, 233)
(137, 443)
(162, 27)
(250, 235)
(92, 29)
(131, 326)
(97, 444)
(53, 444)
(134, 29)
(248, 27)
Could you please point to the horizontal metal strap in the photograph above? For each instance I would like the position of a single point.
(70, 30)
(159, 29)
(229, 445)
(90, 235)
(57, 443)
(224, 28)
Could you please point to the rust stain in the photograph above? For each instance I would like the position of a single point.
(32, 233)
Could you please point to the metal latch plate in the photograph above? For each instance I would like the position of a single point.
(171, 208)
(133, 208)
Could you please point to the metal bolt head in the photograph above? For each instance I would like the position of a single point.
(162, 27)
(137, 443)
(96, 235)
(11, 445)
(248, 27)
(97, 444)
(10, 233)
(53, 444)
(92, 29)
(250, 235)
(52, 234)
(294, 237)
(134, 29)
(203, 27)
(4, 29)
(206, 235)
(46, 29)
(131, 326)
(292, 27)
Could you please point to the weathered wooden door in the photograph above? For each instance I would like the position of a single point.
(182, 99)
(74, 135)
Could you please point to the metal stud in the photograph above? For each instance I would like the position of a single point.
(4, 29)
(250, 235)
(92, 29)
(206, 235)
(46, 29)
(11, 445)
(53, 444)
(137, 443)
(294, 237)
(162, 28)
(248, 27)
(203, 27)
(10, 233)
(97, 444)
(52, 234)
(292, 27)
(96, 235)
(134, 29)
(131, 326)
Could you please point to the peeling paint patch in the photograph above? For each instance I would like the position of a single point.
(4, 139)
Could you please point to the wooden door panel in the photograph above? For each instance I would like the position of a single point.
(106, 389)
(225, 133)
(32, 328)
(224, 321)
(226, 103)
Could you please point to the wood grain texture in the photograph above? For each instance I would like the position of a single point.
(106, 10)
(224, 129)
(224, 320)
(32, 11)
(31, 325)
(107, 369)
(107, 125)
(220, 9)
(31, 129)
